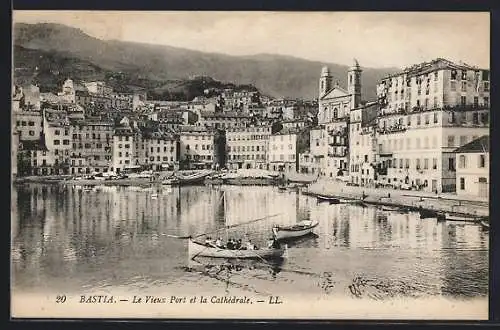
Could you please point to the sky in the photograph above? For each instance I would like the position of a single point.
(375, 39)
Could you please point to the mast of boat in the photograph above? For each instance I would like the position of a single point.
(225, 214)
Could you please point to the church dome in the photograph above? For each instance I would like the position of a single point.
(325, 71)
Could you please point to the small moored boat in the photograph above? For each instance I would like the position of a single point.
(460, 217)
(390, 208)
(331, 200)
(198, 249)
(485, 224)
(300, 229)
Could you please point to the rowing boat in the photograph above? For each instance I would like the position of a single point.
(331, 200)
(300, 229)
(197, 249)
(485, 224)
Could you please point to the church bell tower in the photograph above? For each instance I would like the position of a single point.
(325, 82)
(354, 84)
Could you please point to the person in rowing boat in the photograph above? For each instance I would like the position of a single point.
(218, 243)
(251, 246)
(237, 245)
(273, 243)
(209, 241)
(230, 244)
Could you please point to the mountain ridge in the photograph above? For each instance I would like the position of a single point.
(274, 74)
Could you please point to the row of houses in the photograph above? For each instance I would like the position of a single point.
(409, 136)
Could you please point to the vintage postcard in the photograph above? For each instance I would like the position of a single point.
(270, 165)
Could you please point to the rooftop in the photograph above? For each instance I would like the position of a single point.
(481, 144)
(437, 64)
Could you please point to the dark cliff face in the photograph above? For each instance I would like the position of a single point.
(275, 75)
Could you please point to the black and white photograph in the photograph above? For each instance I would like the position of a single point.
(250, 165)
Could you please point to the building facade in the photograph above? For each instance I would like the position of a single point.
(473, 169)
(427, 111)
(246, 147)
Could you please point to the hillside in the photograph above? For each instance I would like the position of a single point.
(275, 75)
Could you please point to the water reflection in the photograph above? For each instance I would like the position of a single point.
(116, 236)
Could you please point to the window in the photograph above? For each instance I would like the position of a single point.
(418, 143)
(462, 161)
(475, 118)
(436, 76)
(463, 100)
(418, 120)
(408, 143)
(435, 102)
(462, 183)
(476, 101)
(482, 161)
(434, 163)
(31, 133)
(454, 74)
(57, 142)
(407, 163)
(66, 142)
(31, 123)
(453, 86)
(426, 163)
(451, 164)
(401, 163)
(435, 117)
(463, 140)
(427, 119)
(451, 140)
(56, 132)
(464, 86)
(486, 101)
(418, 164)
(408, 121)
(486, 86)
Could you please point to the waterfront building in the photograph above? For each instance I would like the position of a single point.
(473, 168)
(427, 111)
(284, 148)
(57, 138)
(313, 161)
(125, 157)
(35, 159)
(197, 149)
(92, 146)
(362, 144)
(246, 147)
(159, 150)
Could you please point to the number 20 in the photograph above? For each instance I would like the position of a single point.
(60, 299)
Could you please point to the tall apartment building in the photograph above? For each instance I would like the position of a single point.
(427, 111)
(314, 160)
(362, 144)
(246, 147)
(92, 146)
(57, 139)
(137, 148)
(284, 149)
(197, 147)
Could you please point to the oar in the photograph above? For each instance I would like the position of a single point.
(177, 236)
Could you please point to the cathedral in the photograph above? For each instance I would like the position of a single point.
(335, 105)
(334, 101)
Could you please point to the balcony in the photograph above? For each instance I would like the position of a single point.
(337, 154)
(392, 130)
(338, 132)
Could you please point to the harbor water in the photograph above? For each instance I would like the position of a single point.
(73, 239)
